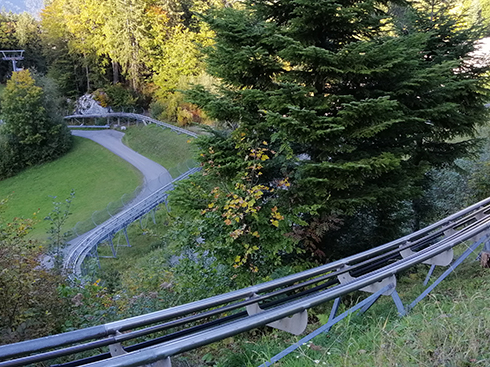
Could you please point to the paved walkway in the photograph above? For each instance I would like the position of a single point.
(155, 176)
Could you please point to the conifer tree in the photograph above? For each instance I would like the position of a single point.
(355, 109)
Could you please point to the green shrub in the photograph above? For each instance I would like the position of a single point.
(172, 105)
(32, 133)
(121, 97)
(156, 109)
(30, 306)
(173, 108)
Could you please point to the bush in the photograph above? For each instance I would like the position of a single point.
(172, 105)
(198, 277)
(30, 305)
(173, 108)
(156, 109)
(120, 98)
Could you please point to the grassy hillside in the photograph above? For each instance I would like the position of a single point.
(97, 176)
(164, 146)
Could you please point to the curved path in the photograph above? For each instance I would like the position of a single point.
(155, 176)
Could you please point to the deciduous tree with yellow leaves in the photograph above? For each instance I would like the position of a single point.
(241, 222)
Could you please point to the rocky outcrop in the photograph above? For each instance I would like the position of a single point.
(87, 105)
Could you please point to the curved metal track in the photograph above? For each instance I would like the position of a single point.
(287, 299)
(77, 253)
(133, 116)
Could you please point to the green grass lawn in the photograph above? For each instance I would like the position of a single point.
(164, 146)
(97, 176)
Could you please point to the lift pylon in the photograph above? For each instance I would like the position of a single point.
(14, 56)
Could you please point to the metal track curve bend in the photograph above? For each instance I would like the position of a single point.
(133, 116)
(77, 253)
(280, 303)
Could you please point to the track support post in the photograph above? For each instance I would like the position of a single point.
(126, 235)
(295, 324)
(453, 266)
(398, 303)
(325, 328)
(114, 254)
(333, 311)
(429, 274)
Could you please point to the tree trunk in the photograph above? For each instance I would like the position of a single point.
(88, 78)
(87, 73)
(115, 72)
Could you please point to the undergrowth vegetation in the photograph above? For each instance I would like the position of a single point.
(153, 264)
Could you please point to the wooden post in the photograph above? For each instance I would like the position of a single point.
(485, 259)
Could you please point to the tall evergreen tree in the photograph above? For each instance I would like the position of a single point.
(355, 110)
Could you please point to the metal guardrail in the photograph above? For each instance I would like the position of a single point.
(128, 199)
(134, 116)
(89, 126)
(77, 253)
(279, 299)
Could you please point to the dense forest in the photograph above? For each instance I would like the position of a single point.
(332, 127)
(129, 53)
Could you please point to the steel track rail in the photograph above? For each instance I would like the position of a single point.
(452, 240)
(78, 252)
(102, 331)
(186, 343)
